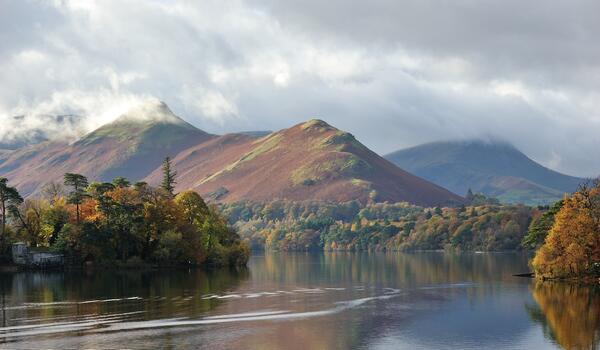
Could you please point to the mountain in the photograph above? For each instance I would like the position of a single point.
(132, 146)
(494, 168)
(309, 161)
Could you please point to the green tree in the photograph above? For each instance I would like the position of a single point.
(96, 189)
(54, 219)
(120, 181)
(9, 200)
(78, 183)
(539, 227)
(168, 182)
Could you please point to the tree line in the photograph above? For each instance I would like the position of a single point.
(288, 226)
(120, 223)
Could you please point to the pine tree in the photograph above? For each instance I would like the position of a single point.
(9, 199)
(168, 182)
(78, 183)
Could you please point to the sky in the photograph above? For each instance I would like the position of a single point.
(393, 73)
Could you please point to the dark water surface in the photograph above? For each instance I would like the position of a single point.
(304, 301)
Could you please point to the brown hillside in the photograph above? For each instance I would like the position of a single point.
(310, 161)
(132, 146)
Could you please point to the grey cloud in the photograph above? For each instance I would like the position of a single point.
(394, 73)
(505, 38)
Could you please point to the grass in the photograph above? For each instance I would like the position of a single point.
(361, 183)
(266, 144)
(342, 164)
(316, 124)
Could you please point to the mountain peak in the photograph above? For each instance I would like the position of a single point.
(309, 161)
(495, 168)
(316, 124)
(148, 123)
(151, 111)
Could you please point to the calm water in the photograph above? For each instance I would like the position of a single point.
(304, 301)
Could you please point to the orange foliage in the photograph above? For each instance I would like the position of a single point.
(573, 244)
(88, 210)
(571, 312)
(124, 195)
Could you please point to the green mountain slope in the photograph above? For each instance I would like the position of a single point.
(493, 168)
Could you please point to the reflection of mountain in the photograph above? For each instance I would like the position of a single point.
(569, 313)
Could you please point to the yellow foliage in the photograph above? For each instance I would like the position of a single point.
(571, 312)
(573, 245)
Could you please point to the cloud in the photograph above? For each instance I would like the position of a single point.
(394, 73)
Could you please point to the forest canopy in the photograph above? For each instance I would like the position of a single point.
(120, 223)
(292, 226)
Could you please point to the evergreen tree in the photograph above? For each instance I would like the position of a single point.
(168, 182)
(121, 182)
(78, 183)
(540, 227)
(9, 200)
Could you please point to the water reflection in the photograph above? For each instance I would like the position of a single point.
(303, 301)
(393, 268)
(47, 296)
(568, 313)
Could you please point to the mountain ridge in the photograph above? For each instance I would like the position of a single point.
(309, 161)
(494, 168)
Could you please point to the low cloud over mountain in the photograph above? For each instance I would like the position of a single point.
(395, 74)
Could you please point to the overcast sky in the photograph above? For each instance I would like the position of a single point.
(394, 73)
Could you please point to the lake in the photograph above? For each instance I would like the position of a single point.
(304, 301)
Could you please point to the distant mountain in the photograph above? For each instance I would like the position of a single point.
(310, 161)
(15, 137)
(493, 168)
(132, 146)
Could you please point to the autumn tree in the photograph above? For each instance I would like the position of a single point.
(572, 248)
(78, 183)
(193, 206)
(118, 223)
(29, 221)
(52, 191)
